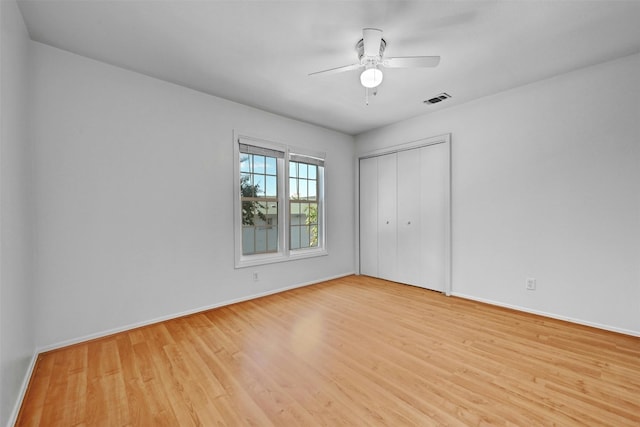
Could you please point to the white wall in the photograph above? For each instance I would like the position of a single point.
(546, 184)
(134, 186)
(17, 339)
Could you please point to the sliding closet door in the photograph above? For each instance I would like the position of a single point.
(387, 214)
(369, 216)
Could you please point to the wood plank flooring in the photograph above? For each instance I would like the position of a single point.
(351, 351)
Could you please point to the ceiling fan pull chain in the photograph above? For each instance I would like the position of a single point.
(366, 95)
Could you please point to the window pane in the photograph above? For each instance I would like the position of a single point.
(293, 170)
(296, 214)
(247, 240)
(313, 171)
(249, 213)
(304, 211)
(271, 227)
(313, 190)
(271, 166)
(245, 162)
(271, 214)
(302, 170)
(272, 186)
(304, 236)
(312, 213)
(260, 217)
(314, 235)
(302, 189)
(293, 188)
(258, 164)
(295, 237)
(261, 240)
(272, 239)
(258, 182)
(246, 189)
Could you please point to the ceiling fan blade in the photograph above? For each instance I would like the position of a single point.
(371, 38)
(337, 69)
(411, 62)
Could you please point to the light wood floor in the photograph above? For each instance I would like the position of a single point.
(352, 351)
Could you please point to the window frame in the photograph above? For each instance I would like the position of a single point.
(284, 252)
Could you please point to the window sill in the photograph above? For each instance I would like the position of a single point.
(254, 260)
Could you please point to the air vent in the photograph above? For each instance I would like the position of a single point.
(438, 98)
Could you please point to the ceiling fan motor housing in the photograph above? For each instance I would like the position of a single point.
(360, 49)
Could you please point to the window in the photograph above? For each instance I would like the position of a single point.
(303, 205)
(259, 199)
(279, 211)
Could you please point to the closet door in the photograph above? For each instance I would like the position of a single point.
(409, 191)
(387, 214)
(369, 216)
(435, 209)
(405, 216)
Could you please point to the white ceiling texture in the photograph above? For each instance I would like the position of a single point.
(260, 53)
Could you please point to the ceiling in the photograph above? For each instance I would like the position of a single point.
(260, 53)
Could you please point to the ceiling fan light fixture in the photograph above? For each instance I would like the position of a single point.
(371, 77)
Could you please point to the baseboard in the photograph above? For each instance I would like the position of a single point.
(550, 315)
(129, 327)
(13, 417)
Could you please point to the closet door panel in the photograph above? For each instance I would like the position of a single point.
(387, 214)
(369, 216)
(434, 175)
(409, 263)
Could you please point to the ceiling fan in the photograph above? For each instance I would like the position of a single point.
(371, 58)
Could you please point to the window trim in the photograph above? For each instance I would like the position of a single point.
(284, 253)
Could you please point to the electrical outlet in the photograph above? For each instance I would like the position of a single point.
(255, 276)
(531, 284)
